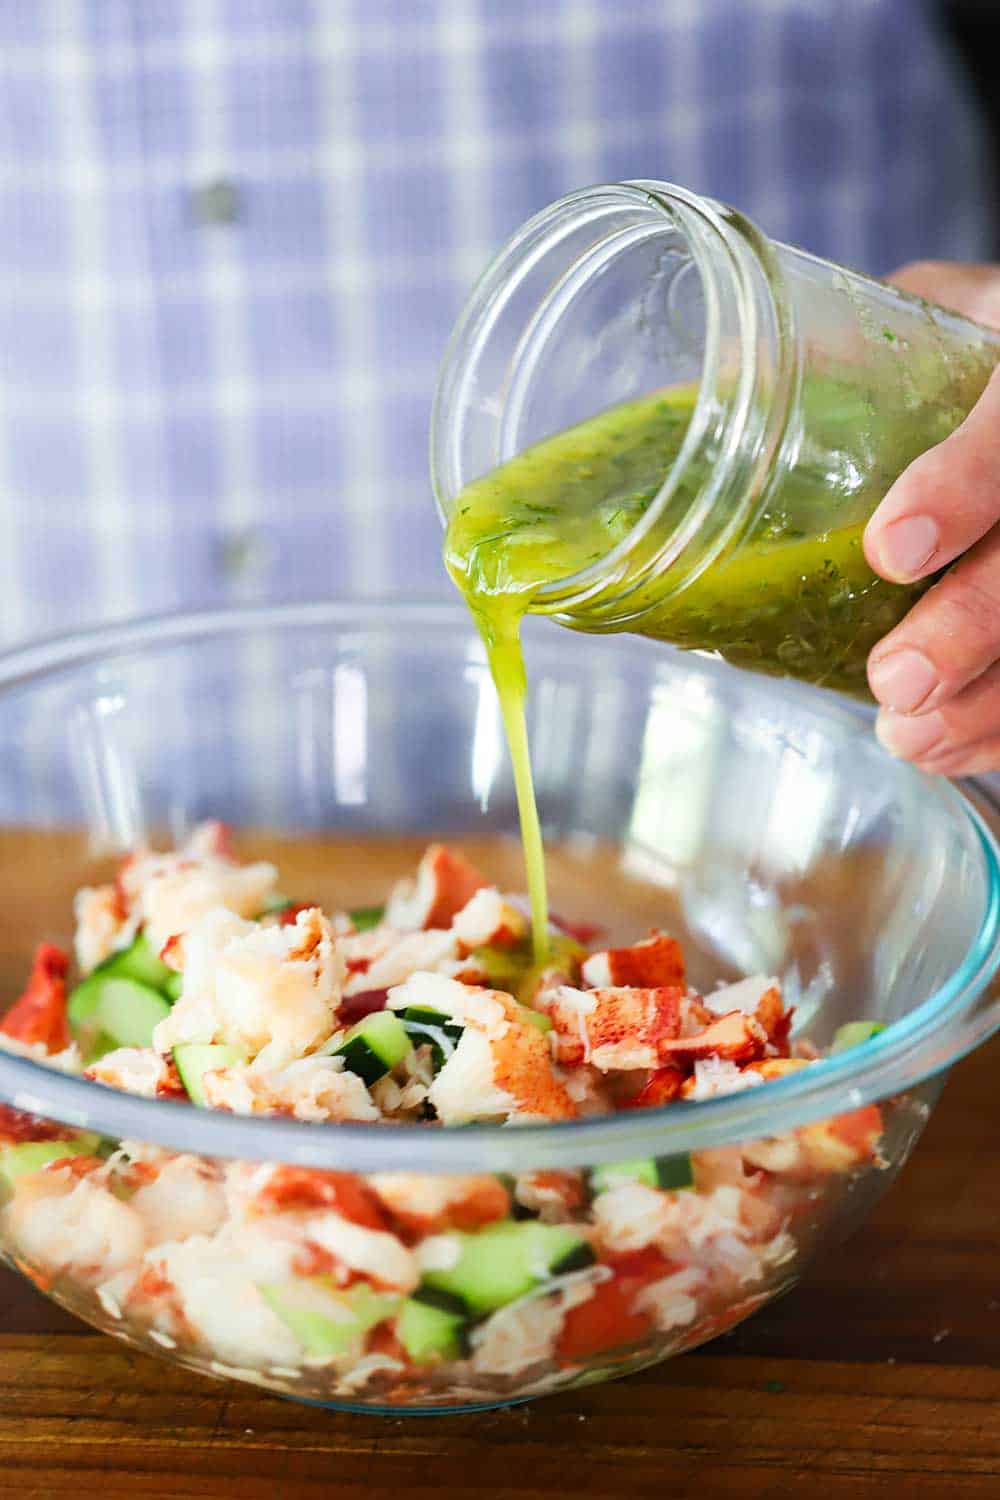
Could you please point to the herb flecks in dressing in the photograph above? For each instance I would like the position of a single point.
(796, 597)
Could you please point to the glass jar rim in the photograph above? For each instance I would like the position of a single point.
(936, 1034)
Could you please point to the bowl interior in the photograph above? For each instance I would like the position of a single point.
(760, 824)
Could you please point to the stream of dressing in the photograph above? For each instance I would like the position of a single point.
(541, 517)
(796, 598)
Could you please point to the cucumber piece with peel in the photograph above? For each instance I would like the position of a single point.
(431, 1330)
(375, 1045)
(329, 1321)
(25, 1157)
(498, 1264)
(194, 1059)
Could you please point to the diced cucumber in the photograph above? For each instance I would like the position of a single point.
(853, 1033)
(366, 917)
(503, 1262)
(82, 1004)
(137, 962)
(31, 1156)
(94, 1046)
(430, 1332)
(675, 1171)
(128, 1012)
(194, 1059)
(424, 1025)
(327, 1320)
(375, 1045)
(668, 1172)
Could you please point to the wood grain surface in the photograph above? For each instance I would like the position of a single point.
(878, 1376)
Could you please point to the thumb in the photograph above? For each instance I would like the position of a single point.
(950, 496)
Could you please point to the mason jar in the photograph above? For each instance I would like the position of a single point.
(806, 387)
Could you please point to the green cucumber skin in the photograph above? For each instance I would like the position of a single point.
(499, 1264)
(328, 1322)
(138, 962)
(129, 1012)
(429, 1333)
(139, 965)
(374, 1046)
(26, 1157)
(669, 1173)
(421, 1023)
(360, 1059)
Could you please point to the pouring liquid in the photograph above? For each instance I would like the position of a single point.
(795, 599)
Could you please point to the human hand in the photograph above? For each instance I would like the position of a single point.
(937, 674)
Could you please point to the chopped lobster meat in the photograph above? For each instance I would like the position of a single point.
(615, 1028)
(770, 1068)
(17, 1126)
(648, 965)
(605, 1321)
(445, 883)
(555, 1196)
(489, 921)
(422, 1205)
(501, 1066)
(734, 1038)
(610, 1319)
(169, 1084)
(75, 1166)
(660, 1088)
(292, 1188)
(775, 1020)
(39, 1016)
(840, 1144)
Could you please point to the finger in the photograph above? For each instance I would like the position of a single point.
(944, 502)
(952, 739)
(973, 760)
(947, 640)
(973, 291)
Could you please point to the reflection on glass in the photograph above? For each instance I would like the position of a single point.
(105, 766)
(684, 729)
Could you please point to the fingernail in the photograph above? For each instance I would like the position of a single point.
(906, 547)
(908, 738)
(903, 679)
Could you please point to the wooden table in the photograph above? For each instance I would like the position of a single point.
(879, 1376)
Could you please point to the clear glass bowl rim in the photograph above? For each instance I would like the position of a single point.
(931, 1038)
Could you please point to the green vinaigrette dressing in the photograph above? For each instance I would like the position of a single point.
(795, 598)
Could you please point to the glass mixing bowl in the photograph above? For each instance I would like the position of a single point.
(759, 823)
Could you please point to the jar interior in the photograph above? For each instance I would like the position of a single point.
(624, 317)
